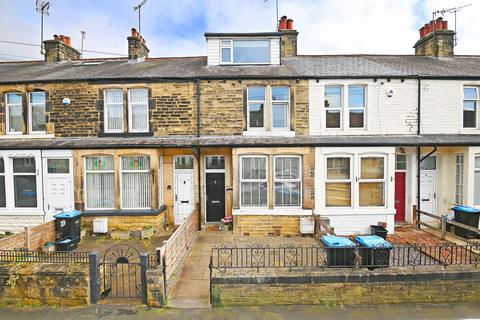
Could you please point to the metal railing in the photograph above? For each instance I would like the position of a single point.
(45, 257)
(319, 257)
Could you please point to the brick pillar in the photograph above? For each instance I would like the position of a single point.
(27, 238)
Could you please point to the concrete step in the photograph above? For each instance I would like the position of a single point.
(119, 306)
(180, 303)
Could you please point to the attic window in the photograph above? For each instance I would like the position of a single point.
(89, 63)
(245, 51)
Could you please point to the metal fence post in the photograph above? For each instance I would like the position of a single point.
(94, 272)
(164, 271)
(143, 276)
(444, 226)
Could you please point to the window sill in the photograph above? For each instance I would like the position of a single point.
(21, 212)
(28, 136)
(122, 213)
(125, 134)
(355, 211)
(273, 133)
(272, 212)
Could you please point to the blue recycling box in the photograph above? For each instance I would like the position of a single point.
(374, 251)
(340, 251)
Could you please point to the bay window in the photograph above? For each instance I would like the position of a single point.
(476, 182)
(3, 196)
(113, 110)
(254, 181)
(136, 185)
(338, 182)
(15, 120)
(356, 106)
(459, 165)
(37, 109)
(138, 110)
(25, 182)
(470, 106)
(333, 106)
(372, 182)
(288, 181)
(100, 182)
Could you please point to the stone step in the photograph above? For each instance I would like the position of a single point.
(116, 307)
(179, 303)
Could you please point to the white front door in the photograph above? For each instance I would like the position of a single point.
(428, 195)
(184, 196)
(58, 186)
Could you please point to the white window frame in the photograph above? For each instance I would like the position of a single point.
(3, 174)
(459, 178)
(299, 180)
(231, 45)
(105, 112)
(160, 182)
(364, 108)
(476, 101)
(255, 180)
(340, 109)
(359, 179)
(30, 111)
(132, 105)
(280, 102)
(7, 113)
(396, 162)
(350, 180)
(226, 46)
(257, 102)
(122, 171)
(475, 170)
(35, 174)
(97, 172)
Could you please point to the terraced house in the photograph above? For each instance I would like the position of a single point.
(251, 130)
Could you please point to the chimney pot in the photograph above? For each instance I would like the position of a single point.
(445, 25)
(428, 29)
(283, 23)
(134, 33)
(439, 24)
(55, 36)
(290, 24)
(68, 41)
(422, 32)
(439, 44)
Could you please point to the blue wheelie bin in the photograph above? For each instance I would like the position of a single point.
(340, 251)
(374, 251)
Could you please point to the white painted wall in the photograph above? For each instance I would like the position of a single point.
(384, 115)
(213, 49)
(442, 107)
(355, 220)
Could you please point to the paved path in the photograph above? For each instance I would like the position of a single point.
(392, 312)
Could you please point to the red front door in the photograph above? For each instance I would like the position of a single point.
(400, 196)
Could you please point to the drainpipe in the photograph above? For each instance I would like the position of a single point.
(197, 153)
(419, 95)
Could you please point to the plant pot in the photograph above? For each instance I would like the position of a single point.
(147, 233)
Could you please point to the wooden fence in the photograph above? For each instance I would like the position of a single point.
(33, 238)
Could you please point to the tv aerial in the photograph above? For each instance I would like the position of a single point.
(138, 8)
(450, 10)
(42, 8)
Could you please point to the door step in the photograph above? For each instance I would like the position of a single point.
(118, 307)
(189, 303)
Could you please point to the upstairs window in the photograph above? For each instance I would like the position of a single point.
(15, 119)
(280, 108)
(268, 108)
(470, 106)
(37, 111)
(138, 110)
(113, 110)
(356, 106)
(245, 51)
(256, 106)
(333, 106)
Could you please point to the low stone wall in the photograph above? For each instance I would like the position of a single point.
(345, 287)
(32, 238)
(36, 284)
(155, 288)
(128, 223)
(265, 225)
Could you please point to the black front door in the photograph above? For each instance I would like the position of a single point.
(215, 192)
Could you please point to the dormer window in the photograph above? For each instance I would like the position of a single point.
(245, 51)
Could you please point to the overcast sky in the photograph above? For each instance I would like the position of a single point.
(176, 27)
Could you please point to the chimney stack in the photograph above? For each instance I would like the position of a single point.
(288, 37)
(60, 49)
(137, 47)
(435, 40)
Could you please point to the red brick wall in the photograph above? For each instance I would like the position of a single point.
(32, 238)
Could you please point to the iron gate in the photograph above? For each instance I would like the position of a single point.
(121, 272)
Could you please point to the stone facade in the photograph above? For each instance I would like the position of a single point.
(35, 284)
(137, 49)
(130, 223)
(155, 288)
(261, 225)
(436, 44)
(338, 287)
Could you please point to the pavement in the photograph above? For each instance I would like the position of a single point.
(390, 312)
